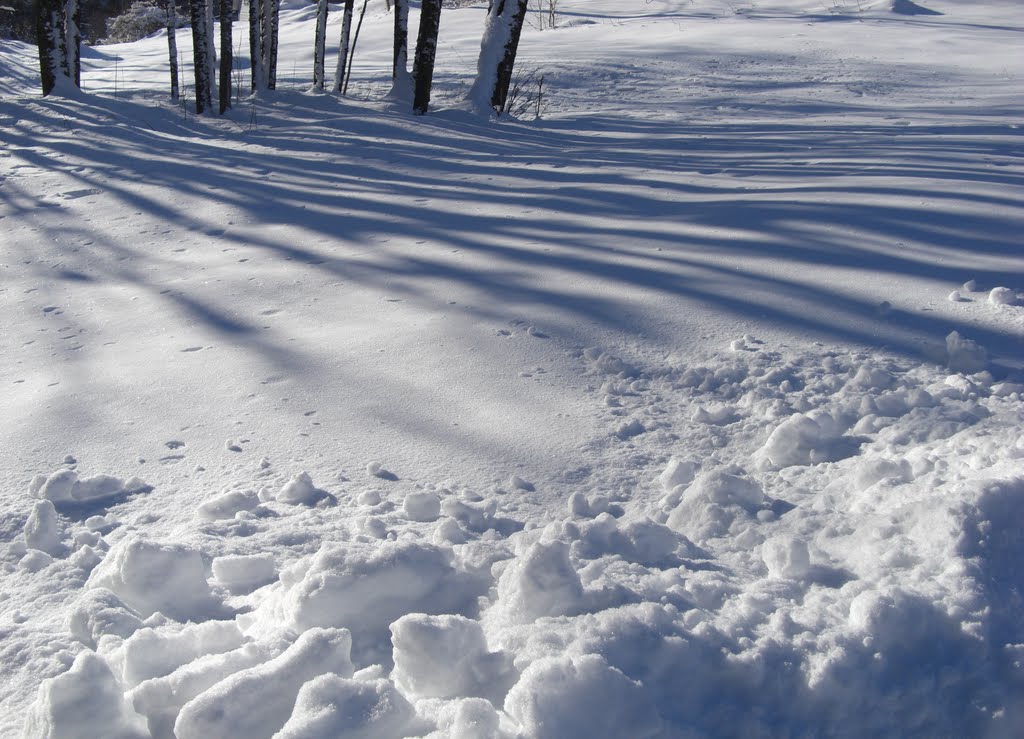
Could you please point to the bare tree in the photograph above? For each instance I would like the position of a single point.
(172, 45)
(320, 45)
(426, 53)
(59, 41)
(498, 49)
(341, 71)
(399, 71)
(201, 55)
(226, 59)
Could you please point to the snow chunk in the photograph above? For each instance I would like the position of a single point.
(786, 557)
(567, 696)
(63, 486)
(300, 490)
(228, 504)
(332, 707)
(243, 573)
(678, 472)
(446, 657)
(964, 355)
(99, 612)
(83, 703)
(155, 652)
(713, 502)
(609, 364)
(1002, 296)
(629, 429)
(151, 577)
(644, 542)
(422, 505)
(376, 469)
(874, 470)
(802, 440)
(257, 702)
(366, 586)
(43, 530)
(541, 582)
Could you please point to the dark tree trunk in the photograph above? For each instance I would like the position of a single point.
(256, 13)
(271, 21)
(343, 46)
(401, 63)
(426, 53)
(201, 56)
(226, 59)
(172, 46)
(52, 44)
(508, 59)
(320, 46)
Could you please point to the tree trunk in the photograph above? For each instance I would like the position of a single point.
(399, 69)
(73, 40)
(498, 49)
(172, 46)
(211, 48)
(320, 46)
(346, 34)
(426, 53)
(270, 23)
(226, 58)
(201, 55)
(53, 55)
(258, 79)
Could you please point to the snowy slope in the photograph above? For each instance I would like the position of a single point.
(667, 414)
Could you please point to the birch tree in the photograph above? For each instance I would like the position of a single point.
(498, 48)
(201, 55)
(400, 78)
(341, 71)
(73, 40)
(426, 53)
(172, 46)
(258, 81)
(320, 45)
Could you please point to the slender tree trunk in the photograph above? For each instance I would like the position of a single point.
(53, 54)
(256, 13)
(352, 53)
(343, 45)
(400, 67)
(271, 22)
(508, 58)
(498, 49)
(226, 58)
(73, 40)
(426, 53)
(320, 46)
(201, 56)
(172, 46)
(211, 47)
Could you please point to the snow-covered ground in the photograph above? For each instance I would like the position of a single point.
(693, 408)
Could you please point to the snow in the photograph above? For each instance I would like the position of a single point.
(692, 408)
